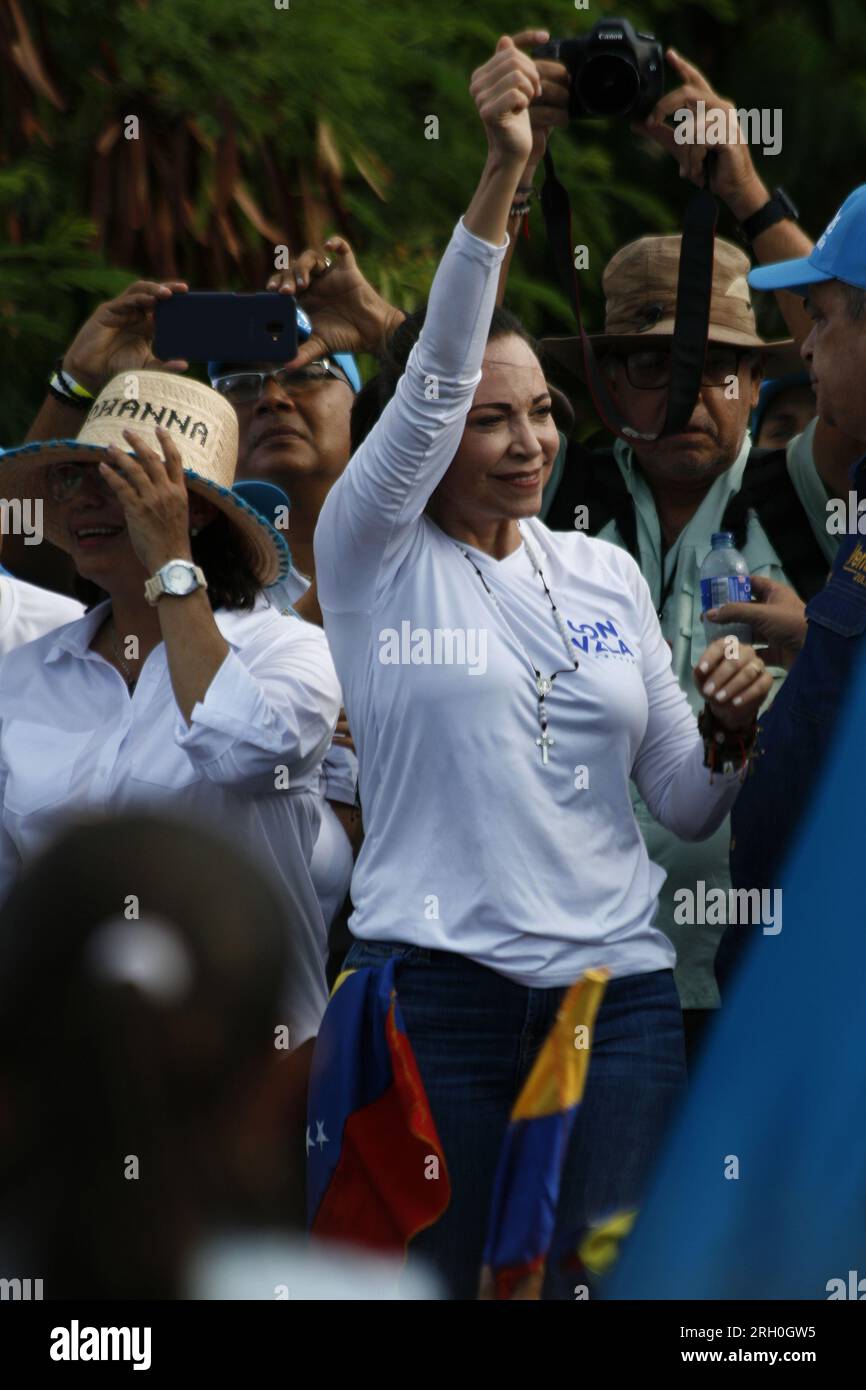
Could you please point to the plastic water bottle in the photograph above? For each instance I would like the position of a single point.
(725, 579)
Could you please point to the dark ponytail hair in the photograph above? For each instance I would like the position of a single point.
(375, 395)
(98, 1066)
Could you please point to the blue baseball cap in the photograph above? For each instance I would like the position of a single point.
(839, 254)
(770, 389)
(344, 360)
(265, 498)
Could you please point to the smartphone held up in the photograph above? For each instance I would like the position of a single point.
(202, 325)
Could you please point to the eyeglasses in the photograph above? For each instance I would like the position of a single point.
(650, 369)
(243, 388)
(65, 479)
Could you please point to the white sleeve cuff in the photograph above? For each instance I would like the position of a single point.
(488, 252)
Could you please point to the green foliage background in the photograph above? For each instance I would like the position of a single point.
(375, 69)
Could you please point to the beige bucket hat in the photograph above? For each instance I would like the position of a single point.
(640, 291)
(203, 426)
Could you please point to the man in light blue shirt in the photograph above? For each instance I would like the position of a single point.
(664, 500)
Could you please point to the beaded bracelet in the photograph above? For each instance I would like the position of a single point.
(725, 751)
(523, 197)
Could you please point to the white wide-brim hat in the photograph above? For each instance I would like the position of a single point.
(204, 428)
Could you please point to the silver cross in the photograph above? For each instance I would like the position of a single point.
(544, 743)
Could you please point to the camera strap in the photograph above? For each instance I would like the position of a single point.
(692, 321)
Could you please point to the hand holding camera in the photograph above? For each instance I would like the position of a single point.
(734, 178)
(549, 109)
(616, 71)
(612, 71)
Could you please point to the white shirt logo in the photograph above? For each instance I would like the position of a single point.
(831, 227)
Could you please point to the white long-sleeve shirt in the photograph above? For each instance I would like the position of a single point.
(72, 740)
(472, 843)
(332, 862)
(26, 611)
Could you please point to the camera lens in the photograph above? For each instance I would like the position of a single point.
(608, 85)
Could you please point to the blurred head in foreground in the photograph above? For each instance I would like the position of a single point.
(143, 1085)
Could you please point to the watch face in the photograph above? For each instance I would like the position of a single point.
(179, 579)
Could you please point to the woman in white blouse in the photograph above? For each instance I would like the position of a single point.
(183, 687)
(503, 683)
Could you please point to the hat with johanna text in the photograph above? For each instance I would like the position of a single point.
(640, 290)
(838, 254)
(202, 425)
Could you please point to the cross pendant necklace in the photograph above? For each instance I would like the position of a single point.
(543, 684)
(544, 743)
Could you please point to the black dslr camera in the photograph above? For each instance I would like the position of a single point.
(613, 71)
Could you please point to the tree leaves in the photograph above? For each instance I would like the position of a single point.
(260, 127)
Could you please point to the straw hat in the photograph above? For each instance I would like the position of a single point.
(640, 290)
(204, 428)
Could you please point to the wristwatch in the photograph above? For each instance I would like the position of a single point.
(177, 578)
(776, 209)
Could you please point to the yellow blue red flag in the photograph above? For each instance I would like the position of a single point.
(376, 1173)
(526, 1189)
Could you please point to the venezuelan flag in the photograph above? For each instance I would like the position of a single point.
(376, 1172)
(526, 1189)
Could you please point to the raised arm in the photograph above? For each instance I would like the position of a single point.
(546, 111)
(738, 183)
(239, 723)
(369, 516)
(735, 179)
(116, 338)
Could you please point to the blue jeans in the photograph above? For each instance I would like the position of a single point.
(475, 1035)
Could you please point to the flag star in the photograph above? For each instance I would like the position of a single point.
(321, 1137)
(307, 1140)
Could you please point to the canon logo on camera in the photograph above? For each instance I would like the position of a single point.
(607, 34)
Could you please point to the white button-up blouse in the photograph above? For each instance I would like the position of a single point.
(73, 740)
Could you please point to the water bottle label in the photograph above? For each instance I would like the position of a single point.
(726, 588)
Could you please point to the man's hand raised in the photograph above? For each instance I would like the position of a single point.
(118, 336)
(347, 314)
(734, 179)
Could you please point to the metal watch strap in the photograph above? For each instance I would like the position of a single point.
(154, 587)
